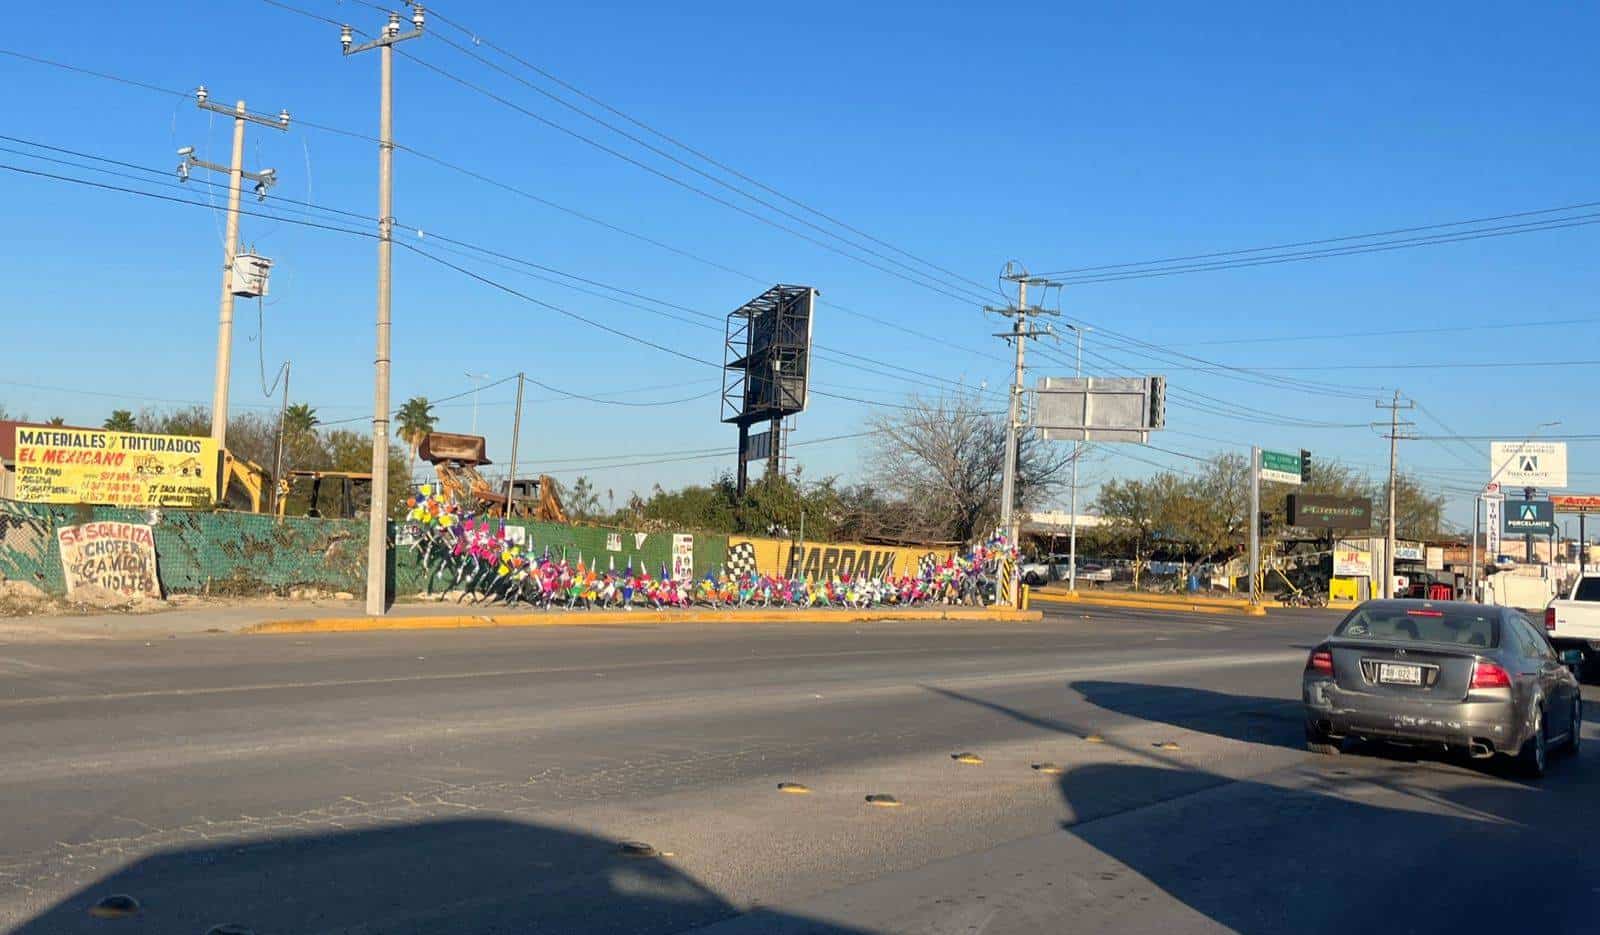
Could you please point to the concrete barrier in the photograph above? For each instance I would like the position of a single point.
(400, 620)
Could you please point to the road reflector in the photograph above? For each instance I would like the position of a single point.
(883, 801)
(1166, 745)
(1094, 738)
(1049, 769)
(119, 906)
(970, 759)
(637, 849)
(794, 788)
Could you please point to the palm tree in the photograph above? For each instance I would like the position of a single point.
(299, 418)
(121, 420)
(413, 422)
(57, 420)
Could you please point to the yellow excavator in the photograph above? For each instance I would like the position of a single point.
(456, 459)
(242, 480)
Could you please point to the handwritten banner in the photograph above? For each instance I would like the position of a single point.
(119, 558)
(61, 465)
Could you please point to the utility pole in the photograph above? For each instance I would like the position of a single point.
(378, 523)
(1394, 408)
(1019, 334)
(236, 174)
(516, 436)
(277, 457)
(1077, 450)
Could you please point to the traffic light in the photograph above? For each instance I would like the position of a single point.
(1263, 523)
(1305, 466)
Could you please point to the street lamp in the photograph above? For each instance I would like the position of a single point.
(479, 379)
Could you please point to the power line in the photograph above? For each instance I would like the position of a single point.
(1446, 329)
(459, 169)
(673, 159)
(1582, 220)
(477, 39)
(1326, 240)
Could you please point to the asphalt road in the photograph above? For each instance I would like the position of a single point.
(481, 781)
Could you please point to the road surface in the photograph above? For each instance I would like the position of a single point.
(482, 781)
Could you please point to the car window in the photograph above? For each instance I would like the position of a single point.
(1535, 646)
(1475, 628)
(1588, 590)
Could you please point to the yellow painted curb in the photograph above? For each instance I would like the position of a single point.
(602, 617)
(1155, 602)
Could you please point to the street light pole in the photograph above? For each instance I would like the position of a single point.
(477, 384)
(1077, 450)
(378, 521)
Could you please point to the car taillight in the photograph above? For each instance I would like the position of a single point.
(1489, 675)
(1321, 662)
(1550, 619)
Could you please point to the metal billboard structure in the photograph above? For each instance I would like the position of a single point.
(1100, 409)
(766, 366)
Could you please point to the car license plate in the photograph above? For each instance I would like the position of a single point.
(1399, 674)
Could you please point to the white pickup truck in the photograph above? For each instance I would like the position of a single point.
(1574, 623)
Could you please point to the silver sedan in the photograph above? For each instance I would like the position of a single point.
(1469, 677)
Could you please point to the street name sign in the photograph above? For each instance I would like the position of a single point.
(1280, 466)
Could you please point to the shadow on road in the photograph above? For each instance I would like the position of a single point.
(455, 876)
(1274, 721)
(1258, 858)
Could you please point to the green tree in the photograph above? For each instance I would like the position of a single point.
(413, 423)
(1138, 514)
(298, 418)
(56, 420)
(581, 499)
(120, 420)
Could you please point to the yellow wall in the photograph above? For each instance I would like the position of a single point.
(826, 559)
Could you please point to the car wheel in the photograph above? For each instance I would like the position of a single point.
(1032, 580)
(1319, 742)
(1532, 758)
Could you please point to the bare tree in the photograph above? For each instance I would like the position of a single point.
(945, 455)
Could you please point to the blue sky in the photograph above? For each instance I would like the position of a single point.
(1061, 135)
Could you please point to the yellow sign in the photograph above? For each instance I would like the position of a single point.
(822, 560)
(62, 465)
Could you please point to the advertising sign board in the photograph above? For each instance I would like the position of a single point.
(1491, 525)
(1528, 463)
(682, 556)
(1529, 517)
(1408, 551)
(1311, 511)
(115, 557)
(1576, 502)
(1350, 561)
(62, 465)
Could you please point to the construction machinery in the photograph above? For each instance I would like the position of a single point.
(456, 459)
(247, 477)
(351, 485)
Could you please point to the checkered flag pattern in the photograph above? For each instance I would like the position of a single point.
(927, 563)
(741, 559)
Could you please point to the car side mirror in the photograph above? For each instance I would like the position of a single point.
(1572, 657)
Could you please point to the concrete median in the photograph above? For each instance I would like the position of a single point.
(398, 619)
(1171, 602)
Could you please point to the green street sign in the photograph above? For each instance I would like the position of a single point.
(1280, 466)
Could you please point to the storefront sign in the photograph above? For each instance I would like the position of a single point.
(60, 465)
(116, 557)
(1576, 502)
(1408, 552)
(1435, 560)
(1350, 561)
(1311, 511)
(1491, 525)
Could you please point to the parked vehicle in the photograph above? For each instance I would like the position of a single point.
(1468, 677)
(1573, 623)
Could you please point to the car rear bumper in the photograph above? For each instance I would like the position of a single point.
(1464, 724)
